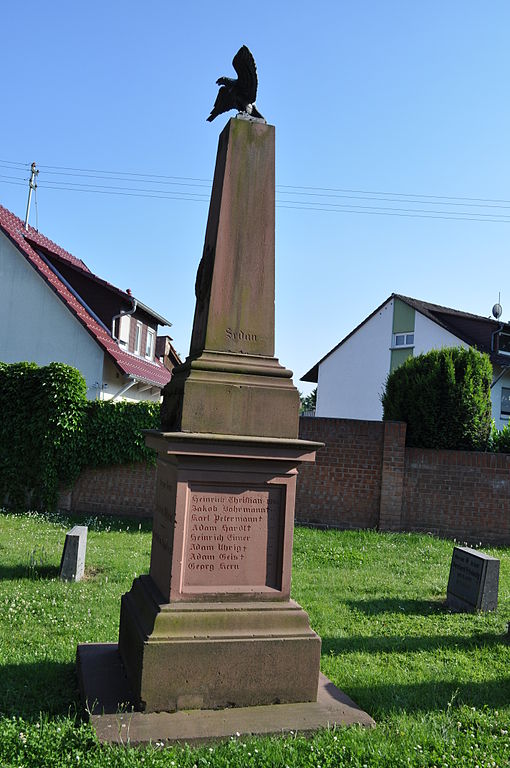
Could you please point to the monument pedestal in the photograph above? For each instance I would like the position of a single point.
(213, 624)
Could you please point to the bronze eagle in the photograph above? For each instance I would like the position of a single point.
(238, 94)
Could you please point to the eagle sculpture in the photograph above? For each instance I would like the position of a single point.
(238, 94)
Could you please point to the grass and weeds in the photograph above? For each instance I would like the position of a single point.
(437, 683)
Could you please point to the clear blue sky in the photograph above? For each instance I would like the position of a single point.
(382, 97)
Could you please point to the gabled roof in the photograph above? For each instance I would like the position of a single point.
(42, 245)
(28, 242)
(474, 330)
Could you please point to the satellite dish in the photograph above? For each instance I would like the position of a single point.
(497, 311)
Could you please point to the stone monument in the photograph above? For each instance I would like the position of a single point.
(213, 624)
(211, 634)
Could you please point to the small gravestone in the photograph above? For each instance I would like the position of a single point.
(473, 582)
(72, 564)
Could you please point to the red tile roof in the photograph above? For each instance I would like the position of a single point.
(130, 365)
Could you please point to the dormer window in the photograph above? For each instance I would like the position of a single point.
(403, 340)
(149, 343)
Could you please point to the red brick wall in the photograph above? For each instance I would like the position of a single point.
(457, 494)
(364, 477)
(127, 489)
(343, 487)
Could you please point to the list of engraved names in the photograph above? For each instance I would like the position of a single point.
(232, 537)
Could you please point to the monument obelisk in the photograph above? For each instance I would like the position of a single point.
(212, 625)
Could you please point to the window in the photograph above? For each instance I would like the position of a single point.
(138, 338)
(123, 330)
(505, 401)
(149, 344)
(403, 339)
(504, 343)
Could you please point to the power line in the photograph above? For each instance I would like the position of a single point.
(125, 194)
(152, 181)
(279, 186)
(96, 187)
(56, 168)
(21, 183)
(400, 194)
(383, 212)
(434, 198)
(297, 205)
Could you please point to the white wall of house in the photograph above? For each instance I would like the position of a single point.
(429, 335)
(36, 326)
(352, 379)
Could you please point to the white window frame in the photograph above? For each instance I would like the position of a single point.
(138, 338)
(149, 343)
(407, 340)
(503, 351)
(502, 413)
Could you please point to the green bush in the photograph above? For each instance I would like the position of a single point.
(42, 419)
(49, 431)
(500, 439)
(444, 398)
(113, 432)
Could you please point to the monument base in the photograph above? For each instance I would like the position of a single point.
(213, 655)
(109, 701)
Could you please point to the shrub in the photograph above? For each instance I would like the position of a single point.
(49, 431)
(113, 432)
(42, 420)
(500, 440)
(444, 397)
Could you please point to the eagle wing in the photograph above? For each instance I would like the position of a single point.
(244, 64)
(224, 102)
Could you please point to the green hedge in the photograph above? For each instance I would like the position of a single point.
(113, 432)
(49, 431)
(444, 397)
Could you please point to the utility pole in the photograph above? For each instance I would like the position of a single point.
(32, 185)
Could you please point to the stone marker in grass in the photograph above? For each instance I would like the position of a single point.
(473, 581)
(72, 564)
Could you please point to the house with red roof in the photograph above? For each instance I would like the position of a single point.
(351, 377)
(54, 309)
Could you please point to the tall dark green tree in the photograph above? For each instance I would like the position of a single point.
(444, 397)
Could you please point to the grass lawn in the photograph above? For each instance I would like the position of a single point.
(438, 684)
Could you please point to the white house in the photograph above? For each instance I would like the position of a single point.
(352, 376)
(54, 309)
